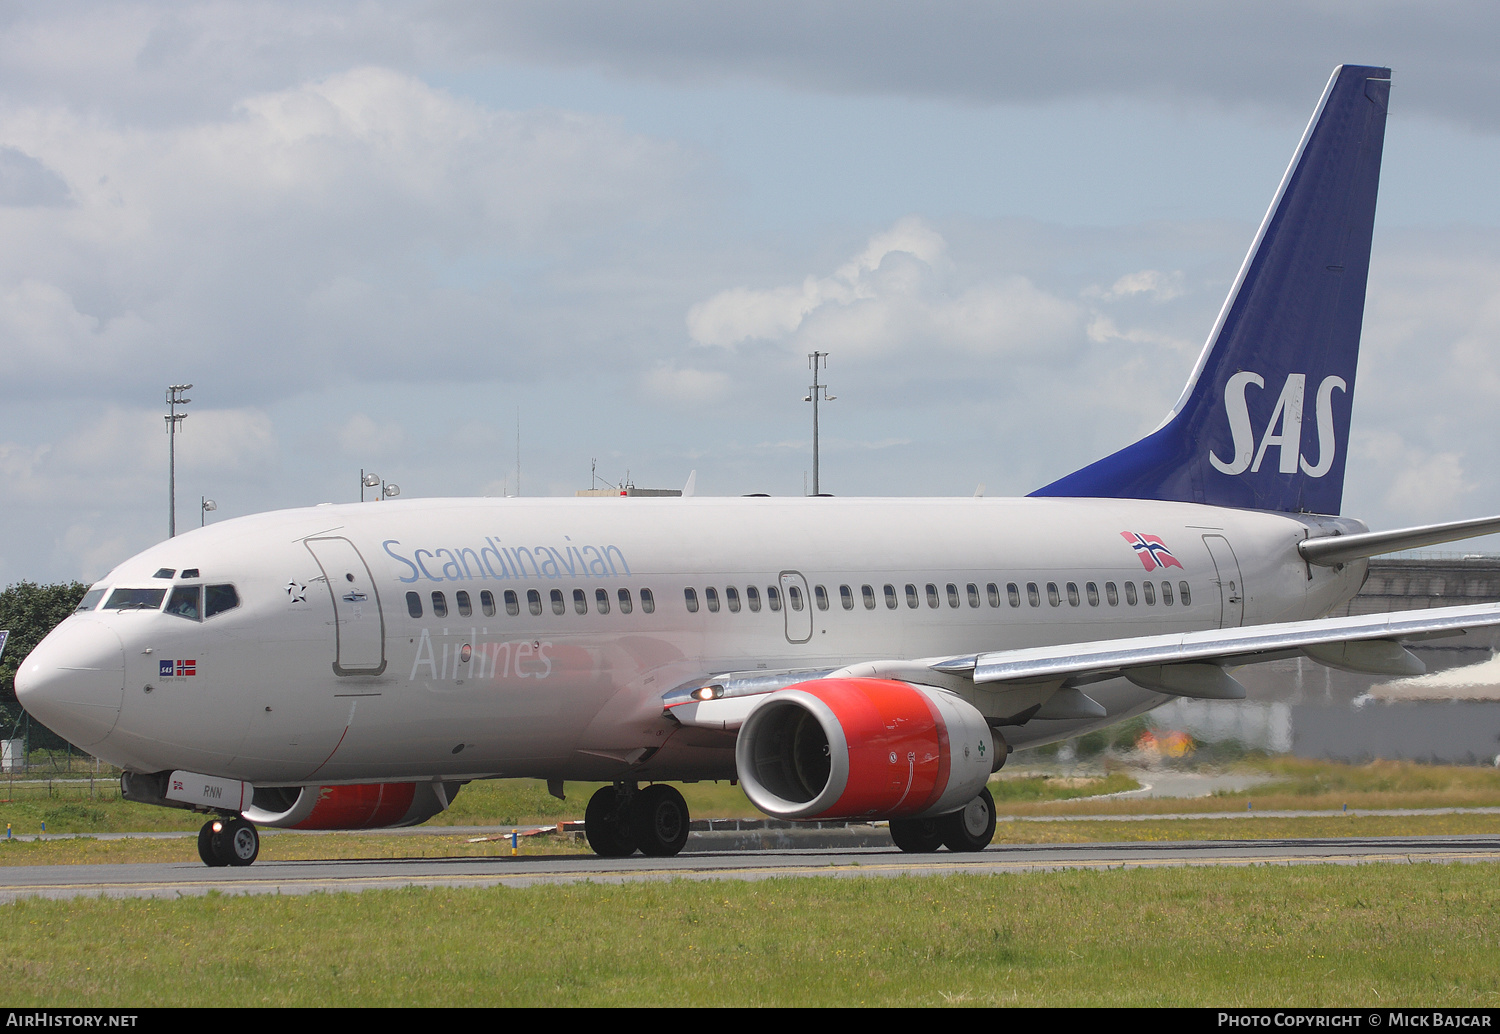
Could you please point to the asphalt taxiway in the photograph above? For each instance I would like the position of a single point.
(305, 877)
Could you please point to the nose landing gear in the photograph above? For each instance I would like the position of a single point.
(224, 841)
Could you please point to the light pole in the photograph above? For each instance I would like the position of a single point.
(373, 480)
(205, 505)
(815, 395)
(173, 418)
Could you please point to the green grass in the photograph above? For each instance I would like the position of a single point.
(1309, 935)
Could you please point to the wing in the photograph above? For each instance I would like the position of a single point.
(1047, 680)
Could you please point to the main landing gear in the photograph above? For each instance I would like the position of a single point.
(969, 829)
(620, 820)
(224, 841)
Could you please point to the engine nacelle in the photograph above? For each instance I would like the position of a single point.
(863, 748)
(361, 806)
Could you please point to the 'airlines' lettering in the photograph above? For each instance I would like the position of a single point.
(1283, 431)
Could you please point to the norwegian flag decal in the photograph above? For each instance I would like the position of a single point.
(191, 667)
(1152, 551)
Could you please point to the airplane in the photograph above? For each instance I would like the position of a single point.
(353, 666)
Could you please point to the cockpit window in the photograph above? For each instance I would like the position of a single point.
(135, 599)
(90, 600)
(165, 572)
(184, 602)
(219, 598)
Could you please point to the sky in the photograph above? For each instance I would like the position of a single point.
(489, 248)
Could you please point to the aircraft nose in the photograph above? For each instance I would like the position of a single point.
(74, 681)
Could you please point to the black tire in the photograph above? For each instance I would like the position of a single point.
(659, 820)
(604, 827)
(919, 836)
(972, 827)
(239, 843)
(206, 845)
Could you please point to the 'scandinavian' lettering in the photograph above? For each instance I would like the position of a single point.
(493, 561)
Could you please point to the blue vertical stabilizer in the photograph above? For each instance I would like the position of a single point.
(1264, 421)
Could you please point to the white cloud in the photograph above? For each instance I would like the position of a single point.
(362, 436)
(900, 293)
(685, 386)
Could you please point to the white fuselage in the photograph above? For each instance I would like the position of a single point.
(326, 671)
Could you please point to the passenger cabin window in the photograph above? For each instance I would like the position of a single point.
(712, 595)
(1186, 593)
(1012, 594)
(846, 597)
(820, 595)
(1032, 595)
(1073, 599)
(219, 598)
(623, 596)
(952, 594)
(773, 598)
(1149, 591)
(601, 600)
(558, 606)
(1112, 594)
(439, 605)
(534, 602)
(1130, 593)
(1092, 591)
(487, 603)
(974, 595)
(1166, 594)
(690, 597)
(464, 607)
(794, 598)
(890, 597)
(184, 602)
(752, 597)
(512, 603)
(911, 596)
(648, 602)
(90, 600)
(932, 595)
(580, 602)
(414, 604)
(1053, 596)
(867, 593)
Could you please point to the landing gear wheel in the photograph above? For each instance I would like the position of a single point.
(919, 836)
(606, 826)
(228, 842)
(659, 820)
(206, 844)
(239, 843)
(971, 828)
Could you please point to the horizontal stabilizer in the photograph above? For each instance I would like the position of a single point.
(1340, 549)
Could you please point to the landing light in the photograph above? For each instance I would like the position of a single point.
(708, 692)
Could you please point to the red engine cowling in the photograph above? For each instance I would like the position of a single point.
(863, 748)
(360, 806)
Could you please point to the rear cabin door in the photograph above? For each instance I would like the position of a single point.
(358, 622)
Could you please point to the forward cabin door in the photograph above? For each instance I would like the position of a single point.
(796, 605)
(358, 622)
(1231, 591)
